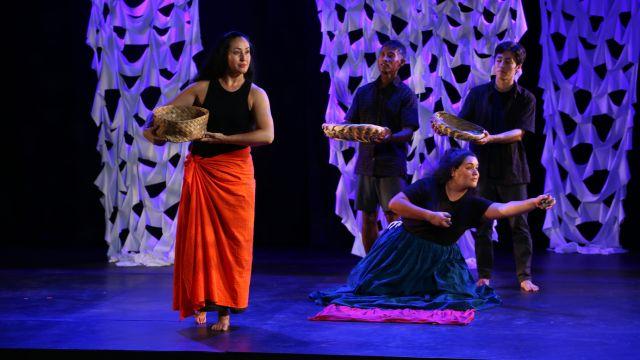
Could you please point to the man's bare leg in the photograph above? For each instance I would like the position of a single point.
(224, 321)
(482, 281)
(528, 286)
(369, 229)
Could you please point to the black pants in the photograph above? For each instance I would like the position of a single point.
(522, 247)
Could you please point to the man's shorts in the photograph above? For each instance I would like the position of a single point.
(377, 191)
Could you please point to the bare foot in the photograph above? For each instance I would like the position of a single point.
(201, 317)
(223, 323)
(482, 281)
(528, 286)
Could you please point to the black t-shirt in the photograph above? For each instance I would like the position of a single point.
(497, 112)
(394, 106)
(466, 212)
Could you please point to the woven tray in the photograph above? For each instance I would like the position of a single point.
(453, 126)
(180, 123)
(365, 133)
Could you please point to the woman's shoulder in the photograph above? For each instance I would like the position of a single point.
(199, 90)
(256, 88)
(428, 182)
(475, 198)
(199, 84)
(256, 92)
(199, 87)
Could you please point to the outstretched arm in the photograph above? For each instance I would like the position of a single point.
(507, 137)
(401, 205)
(513, 208)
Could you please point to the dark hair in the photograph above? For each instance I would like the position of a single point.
(396, 45)
(451, 160)
(517, 50)
(217, 63)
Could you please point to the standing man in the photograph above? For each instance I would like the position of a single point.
(382, 166)
(507, 112)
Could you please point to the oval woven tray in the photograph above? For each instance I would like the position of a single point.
(365, 133)
(456, 127)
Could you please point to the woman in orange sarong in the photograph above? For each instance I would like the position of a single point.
(214, 237)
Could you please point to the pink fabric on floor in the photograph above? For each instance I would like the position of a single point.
(346, 313)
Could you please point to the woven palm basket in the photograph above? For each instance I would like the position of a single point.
(455, 127)
(365, 133)
(181, 123)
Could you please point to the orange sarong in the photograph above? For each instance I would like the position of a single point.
(214, 238)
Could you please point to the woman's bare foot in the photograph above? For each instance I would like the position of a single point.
(201, 317)
(224, 321)
(528, 286)
(482, 281)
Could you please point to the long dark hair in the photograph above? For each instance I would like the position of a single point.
(217, 63)
(451, 160)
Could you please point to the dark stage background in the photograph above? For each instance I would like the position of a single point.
(53, 215)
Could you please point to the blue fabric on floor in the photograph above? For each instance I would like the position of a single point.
(405, 271)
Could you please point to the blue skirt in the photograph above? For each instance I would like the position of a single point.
(403, 271)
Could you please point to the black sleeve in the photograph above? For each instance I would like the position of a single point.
(418, 192)
(467, 111)
(479, 206)
(352, 115)
(526, 120)
(409, 111)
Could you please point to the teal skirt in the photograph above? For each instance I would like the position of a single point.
(403, 271)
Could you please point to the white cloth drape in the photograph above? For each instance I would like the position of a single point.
(143, 56)
(589, 76)
(450, 48)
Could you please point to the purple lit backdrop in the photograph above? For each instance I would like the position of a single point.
(589, 75)
(143, 58)
(450, 47)
(449, 50)
(53, 212)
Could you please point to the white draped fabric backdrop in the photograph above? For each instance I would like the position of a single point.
(143, 57)
(449, 50)
(450, 46)
(589, 76)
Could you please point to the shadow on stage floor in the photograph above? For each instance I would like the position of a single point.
(588, 308)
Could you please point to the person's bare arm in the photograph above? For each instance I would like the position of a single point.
(513, 208)
(507, 137)
(194, 93)
(401, 205)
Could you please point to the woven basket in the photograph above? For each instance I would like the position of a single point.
(181, 123)
(365, 133)
(455, 127)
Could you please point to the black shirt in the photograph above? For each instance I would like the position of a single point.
(394, 106)
(229, 114)
(466, 212)
(497, 112)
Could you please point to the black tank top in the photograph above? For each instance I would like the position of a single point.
(228, 114)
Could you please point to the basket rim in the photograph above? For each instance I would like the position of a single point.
(206, 111)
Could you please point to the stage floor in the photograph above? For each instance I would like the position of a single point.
(589, 307)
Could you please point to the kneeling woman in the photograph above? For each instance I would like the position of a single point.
(417, 265)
